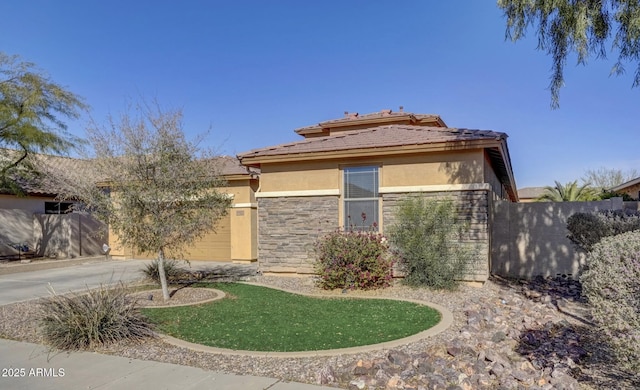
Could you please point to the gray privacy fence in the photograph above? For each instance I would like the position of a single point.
(51, 235)
(530, 239)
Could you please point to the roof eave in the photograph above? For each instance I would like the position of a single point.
(626, 184)
(255, 161)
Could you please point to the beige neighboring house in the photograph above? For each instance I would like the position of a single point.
(363, 165)
(37, 221)
(631, 188)
(235, 235)
(530, 194)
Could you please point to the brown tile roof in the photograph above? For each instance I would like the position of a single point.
(383, 116)
(530, 192)
(42, 185)
(231, 166)
(376, 137)
(624, 186)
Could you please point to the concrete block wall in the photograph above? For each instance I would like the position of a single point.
(51, 235)
(16, 226)
(68, 235)
(530, 239)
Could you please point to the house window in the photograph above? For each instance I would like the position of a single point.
(57, 207)
(361, 209)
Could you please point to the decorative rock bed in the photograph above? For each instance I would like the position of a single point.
(506, 334)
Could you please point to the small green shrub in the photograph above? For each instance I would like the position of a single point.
(97, 317)
(427, 239)
(587, 229)
(353, 259)
(611, 283)
(171, 268)
(608, 194)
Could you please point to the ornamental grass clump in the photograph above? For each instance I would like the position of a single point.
(353, 259)
(97, 317)
(428, 240)
(611, 283)
(171, 268)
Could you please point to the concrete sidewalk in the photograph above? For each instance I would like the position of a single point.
(30, 366)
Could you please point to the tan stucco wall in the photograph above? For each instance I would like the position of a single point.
(432, 169)
(243, 191)
(244, 233)
(317, 178)
(236, 237)
(34, 204)
(299, 176)
(436, 168)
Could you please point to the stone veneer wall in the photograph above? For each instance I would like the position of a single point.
(473, 208)
(288, 227)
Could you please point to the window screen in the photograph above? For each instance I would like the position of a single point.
(361, 197)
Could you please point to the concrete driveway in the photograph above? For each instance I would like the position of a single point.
(23, 286)
(31, 366)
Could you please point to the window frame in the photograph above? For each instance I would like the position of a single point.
(58, 208)
(375, 223)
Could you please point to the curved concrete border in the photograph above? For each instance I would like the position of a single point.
(220, 294)
(445, 322)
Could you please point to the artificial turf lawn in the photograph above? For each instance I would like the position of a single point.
(263, 319)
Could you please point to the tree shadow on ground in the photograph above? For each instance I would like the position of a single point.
(573, 345)
(214, 273)
(578, 350)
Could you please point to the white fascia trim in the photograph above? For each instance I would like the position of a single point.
(245, 205)
(284, 194)
(437, 188)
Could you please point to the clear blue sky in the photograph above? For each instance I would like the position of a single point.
(254, 71)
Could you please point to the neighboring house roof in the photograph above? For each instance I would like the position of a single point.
(624, 186)
(530, 192)
(42, 185)
(375, 138)
(231, 166)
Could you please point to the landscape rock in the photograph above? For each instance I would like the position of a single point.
(499, 338)
(510, 342)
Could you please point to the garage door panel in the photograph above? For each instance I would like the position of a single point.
(215, 246)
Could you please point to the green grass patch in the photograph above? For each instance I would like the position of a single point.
(263, 319)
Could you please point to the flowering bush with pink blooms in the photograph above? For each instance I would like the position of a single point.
(353, 259)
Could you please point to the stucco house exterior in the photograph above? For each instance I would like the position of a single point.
(235, 235)
(359, 164)
(38, 221)
(631, 188)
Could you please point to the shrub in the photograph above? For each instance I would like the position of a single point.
(171, 268)
(611, 283)
(608, 194)
(97, 317)
(427, 239)
(353, 259)
(587, 229)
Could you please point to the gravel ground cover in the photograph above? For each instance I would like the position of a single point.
(506, 334)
